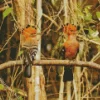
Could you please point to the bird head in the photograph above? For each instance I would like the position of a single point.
(29, 32)
(69, 29)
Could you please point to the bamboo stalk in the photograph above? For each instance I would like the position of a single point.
(30, 21)
(39, 76)
(61, 91)
(66, 20)
(37, 68)
(24, 19)
(19, 9)
(66, 11)
(77, 87)
(8, 46)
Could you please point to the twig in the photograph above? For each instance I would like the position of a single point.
(8, 40)
(96, 57)
(91, 90)
(88, 40)
(10, 64)
(92, 98)
(5, 5)
(14, 90)
(3, 8)
(52, 62)
(46, 16)
(67, 62)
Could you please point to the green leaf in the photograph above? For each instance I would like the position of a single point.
(95, 34)
(20, 52)
(91, 31)
(80, 14)
(88, 17)
(20, 98)
(7, 12)
(97, 39)
(1, 86)
(89, 7)
(98, 15)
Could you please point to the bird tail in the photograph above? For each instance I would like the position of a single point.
(28, 71)
(68, 74)
(28, 64)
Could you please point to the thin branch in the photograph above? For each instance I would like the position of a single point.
(8, 40)
(67, 62)
(46, 16)
(89, 91)
(7, 88)
(53, 62)
(10, 64)
(88, 40)
(5, 6)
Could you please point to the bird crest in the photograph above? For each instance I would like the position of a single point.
(69, 29)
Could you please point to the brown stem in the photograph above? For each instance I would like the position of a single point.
(52, 62)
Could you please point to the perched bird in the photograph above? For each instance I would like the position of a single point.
(29, 44)
(70, 49)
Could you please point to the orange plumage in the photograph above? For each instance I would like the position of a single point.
(71, 47)
(29, 33)
(69, 29)
(29, 37)
(29, 43)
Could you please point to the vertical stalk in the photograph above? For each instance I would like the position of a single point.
(76, 82)
(61, 86)
(75, 89)
(68, 90)
(8, 46)
(29, 14)
(30, 21)
(66, 11)
(80, 2)
(67, 20)
(75, 19)
(19, 9)
(39, 76)
(24, 15)
(77, 70)
(87, 83)
(8, 54)
(37, 68)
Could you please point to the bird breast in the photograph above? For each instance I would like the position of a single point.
(71, 48)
